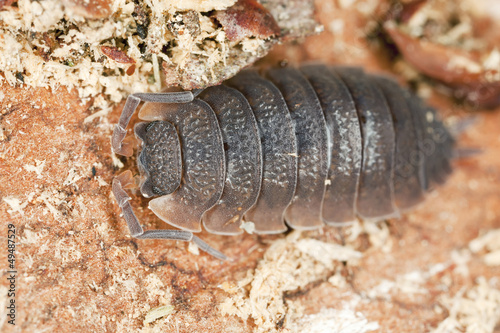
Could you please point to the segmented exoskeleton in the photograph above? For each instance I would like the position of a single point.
(297, 147)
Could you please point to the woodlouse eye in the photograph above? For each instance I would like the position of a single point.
(160, 157)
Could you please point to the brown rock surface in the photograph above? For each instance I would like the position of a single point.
(79, 270)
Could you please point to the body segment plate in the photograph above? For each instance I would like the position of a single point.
(243, 153)
(345, 145)
(279, 152)
(407, 189)
(376, 191)
(312, 147)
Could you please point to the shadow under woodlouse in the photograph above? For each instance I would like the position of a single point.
(307, 146)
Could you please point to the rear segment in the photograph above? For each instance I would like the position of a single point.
(407, 159)
(436, 144)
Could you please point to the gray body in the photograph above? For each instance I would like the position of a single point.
(297, 147)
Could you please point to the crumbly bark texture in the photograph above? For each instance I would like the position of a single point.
(116, 47)
(436, 269)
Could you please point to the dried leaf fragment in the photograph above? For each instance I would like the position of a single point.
(117, 55)
(247, 18)
(460, 69)
(451, 43)
(447, 64)
(92, 9)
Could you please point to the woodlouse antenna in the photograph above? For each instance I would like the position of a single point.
(125, 148)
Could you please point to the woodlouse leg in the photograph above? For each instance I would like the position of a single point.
(118, 144)
(122, 181)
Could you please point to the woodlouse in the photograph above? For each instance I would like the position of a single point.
(307, 146)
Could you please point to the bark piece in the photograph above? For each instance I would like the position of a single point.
(247, 18)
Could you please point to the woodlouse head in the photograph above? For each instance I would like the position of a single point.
(160, 160)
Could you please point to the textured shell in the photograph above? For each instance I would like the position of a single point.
(301, 146)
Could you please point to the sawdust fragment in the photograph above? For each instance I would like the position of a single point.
(53, 201)
(72, 178)
(37, 168)
(116, 161)
(16, 206)
(193, 248)
(410, 284)
(475, 310)
(345, 320)
(248, 227)
(289, 264)
(101, 181)
(488, 242)
(33, 237)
